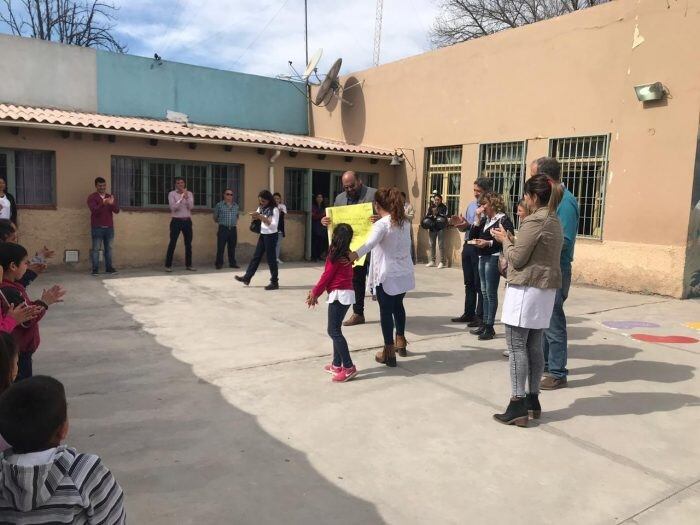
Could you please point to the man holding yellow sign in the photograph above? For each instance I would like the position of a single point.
(354, 206)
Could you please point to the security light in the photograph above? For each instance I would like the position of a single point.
(647, 92)
(395, 161)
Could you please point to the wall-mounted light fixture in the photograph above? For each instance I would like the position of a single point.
(396, 160)
(649, 92)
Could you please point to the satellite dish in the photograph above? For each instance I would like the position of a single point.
(330, 84)
(311, 66)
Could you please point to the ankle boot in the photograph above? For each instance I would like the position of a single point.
(515, 414)
(488, 333)
(532, 403)
(478, 330)
(400, 345)
(387, 356)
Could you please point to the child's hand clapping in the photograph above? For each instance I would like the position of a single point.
(53, 295)
(24, 312)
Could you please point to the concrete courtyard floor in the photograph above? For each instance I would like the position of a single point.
(208, 401)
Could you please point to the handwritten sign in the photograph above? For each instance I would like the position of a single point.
(357, 216)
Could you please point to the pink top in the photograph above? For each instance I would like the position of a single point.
(336, 276)
(181, 204)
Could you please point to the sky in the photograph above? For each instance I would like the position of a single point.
(261, 36)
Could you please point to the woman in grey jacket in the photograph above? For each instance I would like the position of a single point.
(534, 275)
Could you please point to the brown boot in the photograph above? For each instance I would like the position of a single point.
(400, 345)
(355, 319)
(387, 356)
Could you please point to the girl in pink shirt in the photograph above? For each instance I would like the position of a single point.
(337, 281)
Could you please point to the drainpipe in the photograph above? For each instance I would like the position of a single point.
(273, 158)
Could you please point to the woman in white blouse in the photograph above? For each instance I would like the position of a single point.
(269, 216)
(391, 269)
(534, 275)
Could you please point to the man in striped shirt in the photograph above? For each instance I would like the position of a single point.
(42, 481)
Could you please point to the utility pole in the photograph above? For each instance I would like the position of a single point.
(378, 32)
(306, 30)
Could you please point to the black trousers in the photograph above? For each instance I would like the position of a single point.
(24, 366)
(177, 226)
(474, 299)
(226, 237)
(267, 244)
(359, 283)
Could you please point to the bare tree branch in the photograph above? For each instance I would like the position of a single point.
(87, 23)
(462, 20)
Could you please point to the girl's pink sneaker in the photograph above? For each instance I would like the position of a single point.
(332, 369)
(345, 374)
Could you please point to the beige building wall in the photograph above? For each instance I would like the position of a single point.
(141, 236)
(565, 77)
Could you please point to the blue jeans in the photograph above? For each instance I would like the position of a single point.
(391, 311)
(280, 236)
(104, 237)
(490, 279)
(341, 353)
(555, 340)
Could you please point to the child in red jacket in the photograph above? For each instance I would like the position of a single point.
(15, 261)
(337, 281)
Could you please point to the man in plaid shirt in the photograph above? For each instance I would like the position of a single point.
(226, 216)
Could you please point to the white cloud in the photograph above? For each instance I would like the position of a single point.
(233, 35)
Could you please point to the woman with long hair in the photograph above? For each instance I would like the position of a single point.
(269, 215)
(534, 275)
(489, 214)
(8, 206)
(391, 269)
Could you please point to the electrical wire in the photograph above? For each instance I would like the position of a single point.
(245, 51)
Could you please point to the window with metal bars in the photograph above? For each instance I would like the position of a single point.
(30, 175)
(444, 167)
(584, 165)
(504, 164)
(294, 188)
(145, 183)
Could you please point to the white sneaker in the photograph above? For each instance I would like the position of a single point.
(280, 261)
(441, 266)
(430, 265)
(506, 353)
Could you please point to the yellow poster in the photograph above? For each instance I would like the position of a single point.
(358, 217)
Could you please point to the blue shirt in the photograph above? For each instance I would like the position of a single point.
(470, 215)
(226, 215)
(568, 213)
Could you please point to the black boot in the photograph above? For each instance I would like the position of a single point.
(532, 403)
(488, 333)
(476, 321)
(273, 286)
(478, 330)
(515, 414)
(464, 318)
(242, 279)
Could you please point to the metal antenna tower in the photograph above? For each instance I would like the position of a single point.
(378, 32)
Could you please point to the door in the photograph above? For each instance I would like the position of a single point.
(306, 203)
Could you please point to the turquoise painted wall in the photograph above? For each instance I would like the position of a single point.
(136, 86)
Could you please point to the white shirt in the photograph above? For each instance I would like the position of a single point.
(391, 264)
(33, 459)
(527, 306)
(346, 297)
(274, 221)
(6, 210)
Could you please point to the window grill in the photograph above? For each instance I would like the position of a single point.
(584, 165)
(294, 188)
(444, 175)
(145, 183)
(30, 175)
(504, 164)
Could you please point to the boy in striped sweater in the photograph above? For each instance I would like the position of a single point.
(42, 481)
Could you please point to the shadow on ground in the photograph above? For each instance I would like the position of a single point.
(182, 453)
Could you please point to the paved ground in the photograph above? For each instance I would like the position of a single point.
(208, 401)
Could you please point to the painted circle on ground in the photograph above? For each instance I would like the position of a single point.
(626, 325)
(649, 338)
(694, 326)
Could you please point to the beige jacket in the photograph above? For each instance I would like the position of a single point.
(533, 260)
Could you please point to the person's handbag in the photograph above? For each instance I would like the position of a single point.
(255, 225)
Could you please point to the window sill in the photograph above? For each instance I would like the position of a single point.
(36, 207)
